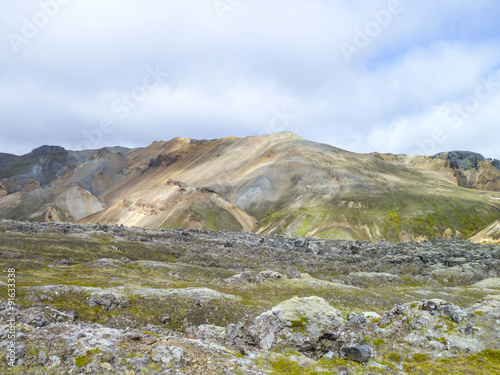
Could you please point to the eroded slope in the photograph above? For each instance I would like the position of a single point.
(279, 183)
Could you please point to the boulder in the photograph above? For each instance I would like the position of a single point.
(361, 352)
(235, 334)
(446, 309)
(42, 316)
(164, 318)
(297, 323)
(488, 304)
(207, 332)
(169, 355)
(108, 301)
(251, 277)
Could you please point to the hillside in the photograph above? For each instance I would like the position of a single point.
(279, 183)
(489, 235)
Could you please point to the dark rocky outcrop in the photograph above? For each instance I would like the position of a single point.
(463, 159)
(472, 170)
(465, 165)
(164, 160)
(46, 151)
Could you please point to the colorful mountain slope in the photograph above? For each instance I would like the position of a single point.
(269, 184)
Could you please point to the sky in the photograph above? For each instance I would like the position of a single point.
(398, 76)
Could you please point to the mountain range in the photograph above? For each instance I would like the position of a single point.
(273, 184)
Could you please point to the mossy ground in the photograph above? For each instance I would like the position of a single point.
(155, 265)
(485, 362)
(41, 253)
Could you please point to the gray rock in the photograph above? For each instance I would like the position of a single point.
(356, 320)
(421, 321)
(330, 355)
(135, 335)
(42, 316)
(314, 248)
(487, 305)
(263, 332)
(396, 311)
(358, 352)
(169, 355)
(442, 308)
(108, 301)
(342, 371)
(207, 332)
(469, 330)
(297, 323)
(164, 319)
(234, 331)
(251, 277)
(432, 305)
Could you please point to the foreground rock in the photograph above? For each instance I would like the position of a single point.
(111, 300)
(296, 324)
(361, 352)
(428, 329)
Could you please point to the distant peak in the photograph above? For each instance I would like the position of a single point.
(284, 135)
(288, 134)
(103, 152)
(47, 150)
(452, 155)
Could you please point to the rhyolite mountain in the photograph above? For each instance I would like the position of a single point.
(272, 184)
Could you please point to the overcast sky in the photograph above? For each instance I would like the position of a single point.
(401, 76)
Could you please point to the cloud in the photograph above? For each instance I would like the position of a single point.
(228, 76)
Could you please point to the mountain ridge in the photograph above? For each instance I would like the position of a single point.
(263, 184)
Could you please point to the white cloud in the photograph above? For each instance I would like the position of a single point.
(227, 77)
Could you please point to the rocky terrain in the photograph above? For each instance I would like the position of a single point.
(102, 299)
(272, 184)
